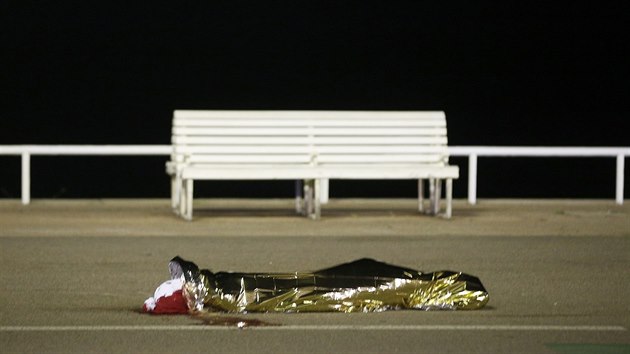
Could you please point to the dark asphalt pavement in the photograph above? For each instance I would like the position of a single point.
(81, 293)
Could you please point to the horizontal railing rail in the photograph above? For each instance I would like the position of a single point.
(472, 152)
(74, 150)
(138, 150)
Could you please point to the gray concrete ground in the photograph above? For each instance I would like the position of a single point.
(74, 274)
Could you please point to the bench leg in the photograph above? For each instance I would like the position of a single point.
(182, 197)
(318, 196)
(431, 195)
(299, 189)
(308, 198)
(420, 195)
(449, 197)
(174, 198)
(438, 195)
(189, 199)
(324, 185)
(312, 195)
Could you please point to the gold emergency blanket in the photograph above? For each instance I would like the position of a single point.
(364, 285)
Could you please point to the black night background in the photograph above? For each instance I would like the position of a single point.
(506, 73)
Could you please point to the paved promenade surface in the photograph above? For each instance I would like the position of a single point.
(74, 273)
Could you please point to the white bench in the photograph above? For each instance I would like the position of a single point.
(311, 146)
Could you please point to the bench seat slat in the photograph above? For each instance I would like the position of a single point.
(381, 149)
(325, 149)
(190, 122)
(321, 159)
(240, 131)
(379, 158)
(298, 158)
(291, 172)
(317, 115)
(248, 172)
(436, 140)
(391, 172)
(307, 131)
(242, 149)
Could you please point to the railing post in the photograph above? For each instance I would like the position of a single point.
(26, 178)
(619, 186)
(472, 179)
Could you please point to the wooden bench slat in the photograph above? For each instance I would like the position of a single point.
(440, 140)
(249, 172)
(378, 158)
(321, 159)
(288, 140)
(307, 131)
(416, 140)
(317, 115)
(192, 122)
(391, 172)
(242, 149)
(300, 158)
(325, 149)
(291, 172)
(240, 131)
(381, 149)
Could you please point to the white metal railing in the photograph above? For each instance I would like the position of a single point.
(106, 150)
(473, 153)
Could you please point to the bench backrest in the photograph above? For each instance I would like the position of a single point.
(310, 137)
